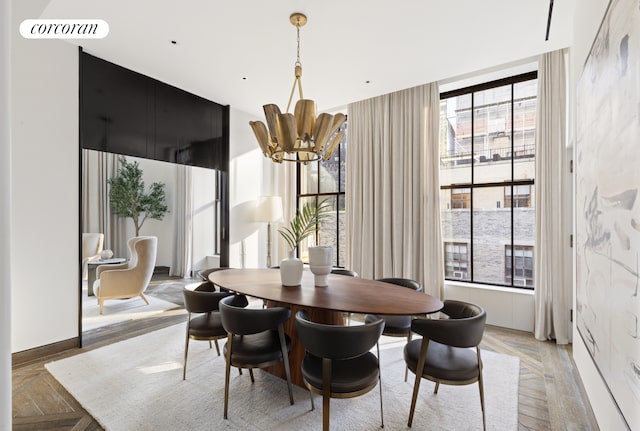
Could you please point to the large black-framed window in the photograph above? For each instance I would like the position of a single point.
(487, 176)
(326, 180)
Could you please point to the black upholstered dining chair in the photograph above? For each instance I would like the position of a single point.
(443, 355)
(343, 271)
(338, 363)
(204, 275)
(255, 339)
(397, 326)
(205, 325)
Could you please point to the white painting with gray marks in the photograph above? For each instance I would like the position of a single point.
(608, 205)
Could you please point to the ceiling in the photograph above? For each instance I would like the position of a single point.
(242, 52)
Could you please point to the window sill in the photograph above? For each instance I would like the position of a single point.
(529, 292)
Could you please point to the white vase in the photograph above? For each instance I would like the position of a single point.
(321, 275)
(320, 263)
(321, 255)
(291, 271)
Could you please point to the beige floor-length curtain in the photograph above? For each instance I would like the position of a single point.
(97, 168)
(392, 195)
(553, 290)
(183, 215)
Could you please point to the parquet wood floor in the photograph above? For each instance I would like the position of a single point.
(551, 396)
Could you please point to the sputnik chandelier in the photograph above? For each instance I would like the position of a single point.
(298, 137)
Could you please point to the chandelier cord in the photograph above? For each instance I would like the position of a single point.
(297, 70)
(298, 49)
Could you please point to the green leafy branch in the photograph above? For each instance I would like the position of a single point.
(304, 223)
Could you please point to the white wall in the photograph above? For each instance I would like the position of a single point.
(506, 307)
(587, 21)
(5, 223)
(250, 175)
(44, 239)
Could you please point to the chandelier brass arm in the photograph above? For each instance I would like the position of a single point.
(299, 137)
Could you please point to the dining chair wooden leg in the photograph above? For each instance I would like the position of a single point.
(313, 406)
(416, 385)
(217, 347)
(380, 384)
(326, 392)
(186, 350)
(481, 387)
(226, 378)
(285, 359)
(251, 374)
(435, 390)
(406, 367)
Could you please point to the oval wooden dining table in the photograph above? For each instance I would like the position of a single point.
(327, 304)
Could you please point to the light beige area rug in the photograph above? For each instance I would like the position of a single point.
(119, 310)
(137, 385)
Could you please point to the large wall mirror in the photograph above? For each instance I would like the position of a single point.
(189, 234)
(175, 138)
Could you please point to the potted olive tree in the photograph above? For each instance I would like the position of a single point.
(128, 197)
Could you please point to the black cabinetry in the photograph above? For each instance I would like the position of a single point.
(127, 113)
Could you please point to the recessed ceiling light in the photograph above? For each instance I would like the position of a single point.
(367, 82)
(174, 42)
(244, 78)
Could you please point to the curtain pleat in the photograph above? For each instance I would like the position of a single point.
(393, 217)
(553, 290)
(115, 225)
(98, 167)
(183, 218)
(85, 222)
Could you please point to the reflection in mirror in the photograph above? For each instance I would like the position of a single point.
(188, 234)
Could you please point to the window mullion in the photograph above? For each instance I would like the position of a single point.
(473, 136)
(513, 158)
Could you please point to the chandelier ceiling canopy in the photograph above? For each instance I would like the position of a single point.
(299, 137)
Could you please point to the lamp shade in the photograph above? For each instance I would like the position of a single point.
(268, 209)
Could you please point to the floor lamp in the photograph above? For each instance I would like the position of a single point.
(269, 209)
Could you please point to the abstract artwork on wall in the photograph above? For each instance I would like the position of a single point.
(608, 205)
